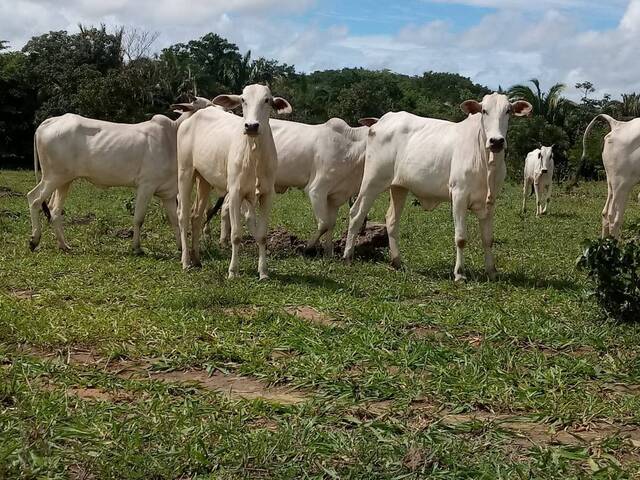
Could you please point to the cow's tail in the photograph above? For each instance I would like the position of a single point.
(613, 123)
(36, 164)
(213, 211)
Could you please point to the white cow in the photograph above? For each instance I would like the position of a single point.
(438, 161)
(538, 174)
(236, 156)
(326, 161)
(621, 158)
(141, 155)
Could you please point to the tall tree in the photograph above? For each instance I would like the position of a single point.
(550, 104)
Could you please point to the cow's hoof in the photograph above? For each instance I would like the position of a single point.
(460, 278)
(348, 261)
(233, 275)
(138, 252)
(196, 264)
(492, 274)
(65, 248)
(33, 244)
(396, 263)
(264, 276)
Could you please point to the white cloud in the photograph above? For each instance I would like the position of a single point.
(508, 46)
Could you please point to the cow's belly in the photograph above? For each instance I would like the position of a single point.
(429, 181)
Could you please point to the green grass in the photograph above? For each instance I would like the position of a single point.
(531, 344)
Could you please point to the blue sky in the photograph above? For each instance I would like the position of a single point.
(494, 42)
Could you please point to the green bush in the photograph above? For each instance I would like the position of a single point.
(615, 268)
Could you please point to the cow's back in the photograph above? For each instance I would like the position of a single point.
(105, 153)
(417, 151)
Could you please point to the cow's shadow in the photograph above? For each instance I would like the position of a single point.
(444, 272)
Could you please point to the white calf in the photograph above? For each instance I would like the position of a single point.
(538, 174)
(326, 161)
(141, 155)
(438, 161)
(236, 156)
(621, 158)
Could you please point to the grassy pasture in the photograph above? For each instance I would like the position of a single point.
(117, 366)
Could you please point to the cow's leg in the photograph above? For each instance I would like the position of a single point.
(547, 197)
(185, 186)
(143, 197)
(57, 206)
(460, 206)
(35, 197)
(525, 192)
(396, 205)
(197, 217)
(171, 209)
(617, 208)
(536, 186)
(606, 231)
(265, 203)
(235, 219)
(332, 216)
(225, 224)
(486, 234)
(358, 213)
(319, 203)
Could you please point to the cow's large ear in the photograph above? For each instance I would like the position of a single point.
(521, 108)
(182, 107)
(471, 107)
(281, 106)
(368, 121)
(228, 102)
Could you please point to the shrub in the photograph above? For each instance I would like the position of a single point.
(615, 268)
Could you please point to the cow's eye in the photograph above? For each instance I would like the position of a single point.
(266, 100)
(242, 99)
(484, 112)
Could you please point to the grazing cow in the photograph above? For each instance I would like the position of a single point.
(235, 156)
(326, 161)
(141, 155)
(621, 158)
(538, 175)
(438, 161)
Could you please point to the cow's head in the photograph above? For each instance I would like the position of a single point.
(545, 159)
(257, 104)
(496, 110)
(197, 104)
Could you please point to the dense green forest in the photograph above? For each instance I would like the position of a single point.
(116, 76)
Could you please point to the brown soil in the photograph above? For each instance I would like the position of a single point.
(312, 315)
(83, 219)
(234, 386)
(6, 192)
(23, 294)
(123, 233)
(368, 245)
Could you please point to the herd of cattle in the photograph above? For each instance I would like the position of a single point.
(249, 159)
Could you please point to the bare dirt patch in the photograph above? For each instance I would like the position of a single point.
(234, 386)
(83, 219)
(95, 394)
(231, 385)
(23, 293)
(527, 430)
(6, 192)
(426, 331)
(312, 315)
(263, 424)
(368, 245)
(123, 233)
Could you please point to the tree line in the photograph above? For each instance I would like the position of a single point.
(116, 76)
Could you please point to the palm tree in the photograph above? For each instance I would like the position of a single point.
(551, 104)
